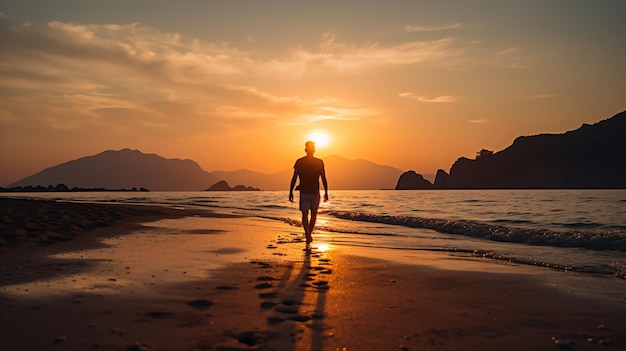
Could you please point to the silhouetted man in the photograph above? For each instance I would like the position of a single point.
(309, 169)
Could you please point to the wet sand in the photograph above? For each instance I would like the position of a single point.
(195, 280)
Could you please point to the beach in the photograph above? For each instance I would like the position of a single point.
(129, 277)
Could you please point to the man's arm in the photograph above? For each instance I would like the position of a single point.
(293, 183)
(325, 183)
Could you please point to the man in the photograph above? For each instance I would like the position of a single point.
(309, 169)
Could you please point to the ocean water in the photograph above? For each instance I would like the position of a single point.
(563, 230)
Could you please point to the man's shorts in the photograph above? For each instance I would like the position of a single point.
(309, 202)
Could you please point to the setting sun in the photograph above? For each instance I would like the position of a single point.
(320, 137)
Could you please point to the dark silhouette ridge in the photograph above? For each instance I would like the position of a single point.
(359, 174)
(222, 185)
(346, 175)
(61, 188)
(591, 157)
(124, 169)
(127, 169)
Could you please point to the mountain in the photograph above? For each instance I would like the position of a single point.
(592, 156)
(125, 169)
(342, 174)
(359, 174)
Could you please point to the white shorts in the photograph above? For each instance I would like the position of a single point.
(309, 202)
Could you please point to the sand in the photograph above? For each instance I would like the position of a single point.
(152, 278)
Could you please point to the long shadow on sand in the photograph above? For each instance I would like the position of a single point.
(297, 307)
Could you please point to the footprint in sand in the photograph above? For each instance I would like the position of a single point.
(311, 280)
(287, 309)
(265, 278)
(201, 305)
(276, 319)
(263, 286)
(268, 295)
(289, 302)
(157, 314)
(267, 305)
(226, 287)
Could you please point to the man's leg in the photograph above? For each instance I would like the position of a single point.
(309, 202)
(315, 204)
(312, 221)
(306, 226)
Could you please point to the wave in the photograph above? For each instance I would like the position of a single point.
(332, 229)
(582, 225)
(592, 240)
(513, 221)
(615, 268)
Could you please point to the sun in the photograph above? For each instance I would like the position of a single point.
(320, 137)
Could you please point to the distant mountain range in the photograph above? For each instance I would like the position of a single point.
(126, 169)
(593, 156)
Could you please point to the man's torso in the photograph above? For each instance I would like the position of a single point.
(309, 169)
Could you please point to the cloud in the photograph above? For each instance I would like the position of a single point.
(411, 29)
(438, 99)
(123, 77)
(541, 96)
(342, 114)
(339, 57)
(508, 51)
(478, 121)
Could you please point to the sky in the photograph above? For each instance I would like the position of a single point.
(243, 84)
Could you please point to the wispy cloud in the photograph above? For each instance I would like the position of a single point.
(136, 76)
(437, 99)
(511, 57)
(420, 28)
(85, 75)
(353, 58)
(478, 121)
(508, 51)
(541, 96)
(518, 65)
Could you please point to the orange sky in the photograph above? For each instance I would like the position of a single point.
(231, 85)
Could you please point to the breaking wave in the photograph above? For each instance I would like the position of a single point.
(592, 240)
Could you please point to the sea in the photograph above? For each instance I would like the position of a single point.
(581, 231)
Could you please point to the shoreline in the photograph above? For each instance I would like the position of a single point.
(166, 279)
(32, 222)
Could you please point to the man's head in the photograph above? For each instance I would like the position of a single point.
(309, 147)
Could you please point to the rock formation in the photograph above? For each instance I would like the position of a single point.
(412, 181)
(592, 157)
(222, 185)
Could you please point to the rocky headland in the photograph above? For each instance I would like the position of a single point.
(590, 157)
